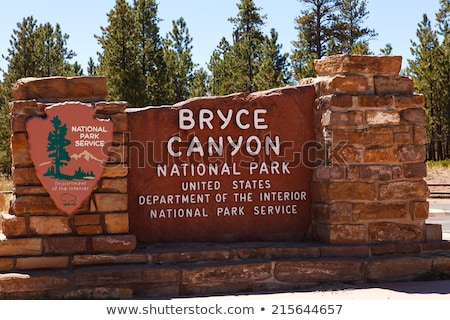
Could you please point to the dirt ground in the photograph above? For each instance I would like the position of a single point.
(438, 175)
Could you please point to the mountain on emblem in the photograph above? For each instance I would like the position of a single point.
(68, 148)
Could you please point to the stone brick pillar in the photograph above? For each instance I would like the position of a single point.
(38, 235)
(372, 126)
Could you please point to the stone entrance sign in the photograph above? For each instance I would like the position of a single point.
(235, 168)
(69, 151)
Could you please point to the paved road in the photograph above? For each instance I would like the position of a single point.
(440, 214)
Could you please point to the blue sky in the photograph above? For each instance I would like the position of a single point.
(394, 20)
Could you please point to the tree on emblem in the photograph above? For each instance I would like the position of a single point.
(56, 147)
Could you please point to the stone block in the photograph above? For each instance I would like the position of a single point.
(21, 247)
(13, 226)
(26, 107)
(114, 185)
(113, 243)
(111, 202)
(398, 268)
(339, 213)
(118, 154)
(120, 121)
(342, 119)
(56, 89)
(340, 234)
(24, 177)
(352, 84)
(17, 123)
(224, 274)
(381, 211)
(32, 263)
(441, 263)
(6, 264)
(341, 101)
(433, 232)
(350, 191)
(20, 150)
(380, 155)
(393, 85)
(65, 245)
(356, 251)
(420, 210)
(395, 248)
(48, 225)
(30, 191)
(358, 64)
(404, 190)
(412, 153)
(418, 100)
(395, 232)
(414, 116)
(115, 171)
(26, 287)
(114, 107)
(381, 102)
(89, 230)
(402, 102)
(147, 277)
(116, 222)
(420, 135)
(323, 270)
(278, 252)
(371, 136)
(87, 219)
(375, 172)
(347, 155)
(384, 117)
(104, 259)
(188, 255)
(403, 138)
(33, 205)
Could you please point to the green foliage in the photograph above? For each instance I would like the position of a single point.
(431, 74)
(178, 59)
(37, 50)
(441, 163)
(56, 146)
(328, 27)
(350, 35)
(253, 62)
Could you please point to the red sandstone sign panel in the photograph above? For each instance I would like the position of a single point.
(69, 150)
(223, 168)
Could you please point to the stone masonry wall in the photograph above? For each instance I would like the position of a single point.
(372, 124)
(371, 190)
(38, 234)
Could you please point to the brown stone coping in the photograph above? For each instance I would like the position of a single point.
(347, 64)
(56, 89)
(176, 270)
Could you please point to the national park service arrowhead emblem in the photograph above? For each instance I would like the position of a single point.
(69, 149)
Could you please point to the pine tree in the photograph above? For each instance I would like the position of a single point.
(132, 57)
(314, 35)
(424, 71)
(118, 60)
(238, 67)
(150, 56)
(56, 146)
(178, 58)
(248, 37)
(350, 35)
(199, 84)
(220, 66)
(273, 71)
(37, 50)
